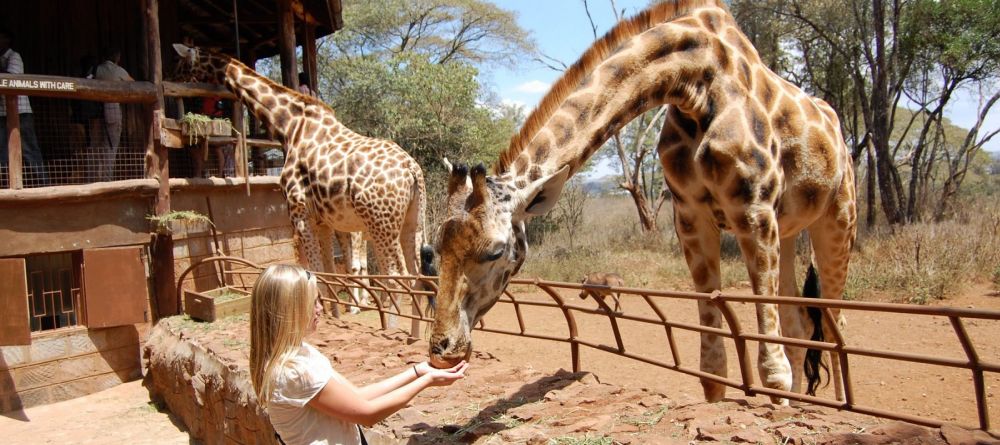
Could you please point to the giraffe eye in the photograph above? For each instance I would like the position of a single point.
(493, 256)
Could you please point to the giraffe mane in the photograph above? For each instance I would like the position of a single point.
(227, 59)
(591, 58)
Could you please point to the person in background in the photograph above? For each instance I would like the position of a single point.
(308, 401)
(304, 86)
(31, 153)
(109, 132)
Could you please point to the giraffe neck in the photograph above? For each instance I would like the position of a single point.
(284, 110)
(669, 63)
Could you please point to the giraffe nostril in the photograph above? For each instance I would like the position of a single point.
(440, 347)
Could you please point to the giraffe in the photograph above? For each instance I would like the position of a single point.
(742, 150)
(333, 178)
(354, 261)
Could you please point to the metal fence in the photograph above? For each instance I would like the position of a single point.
(241, 273)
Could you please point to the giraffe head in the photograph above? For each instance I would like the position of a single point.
(481, 245)
(199, 65)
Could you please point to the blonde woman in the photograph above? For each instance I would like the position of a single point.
(307, 400)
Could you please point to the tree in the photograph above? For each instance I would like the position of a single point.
(470, 31)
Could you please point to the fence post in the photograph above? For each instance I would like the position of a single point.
(977, 371)
(718, 300)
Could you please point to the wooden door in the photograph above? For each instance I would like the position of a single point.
(14, 321)
(115, 286)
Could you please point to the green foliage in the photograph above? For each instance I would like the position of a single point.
(471, 31)
(959, 35)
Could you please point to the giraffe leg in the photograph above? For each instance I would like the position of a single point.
(325, 239)
(411, 260)
(832, 238)
(760, 252)
(793, 317)
(391, 262)
(346, 240)
(309, 240)
(411, 239)
(700, 240)
(359, 263)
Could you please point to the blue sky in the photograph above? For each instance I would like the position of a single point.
(561, 30)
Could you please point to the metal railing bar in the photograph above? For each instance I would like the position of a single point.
(977, 371)
(835, 344)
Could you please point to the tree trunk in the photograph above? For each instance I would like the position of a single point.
(647, 215)
(870, 190)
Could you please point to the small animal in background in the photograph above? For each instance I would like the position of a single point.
(603, 279)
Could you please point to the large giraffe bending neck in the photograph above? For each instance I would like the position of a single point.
(642, 63)
(742, 150)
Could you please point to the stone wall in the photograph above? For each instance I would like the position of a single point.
(67, 363)
(211, 395)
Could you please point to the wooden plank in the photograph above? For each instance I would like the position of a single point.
(14, 327)
(286, 44)
(189, 89)
(84, 89)
(15, 170)
(76, 193)
(114, 286)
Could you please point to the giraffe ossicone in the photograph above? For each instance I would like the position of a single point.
(335, 180)
(742, 150)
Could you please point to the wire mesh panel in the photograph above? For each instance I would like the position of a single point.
(71, 142)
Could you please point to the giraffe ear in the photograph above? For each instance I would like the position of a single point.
(541, 196)
(186, 52)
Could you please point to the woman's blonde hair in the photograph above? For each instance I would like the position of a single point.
(280, 313)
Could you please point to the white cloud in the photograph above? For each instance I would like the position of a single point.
(516, 102)
(532, 86)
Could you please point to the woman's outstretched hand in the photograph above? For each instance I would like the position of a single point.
(442, 377)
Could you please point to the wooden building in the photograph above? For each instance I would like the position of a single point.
(83, 271)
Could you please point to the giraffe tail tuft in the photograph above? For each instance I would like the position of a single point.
(814, 357)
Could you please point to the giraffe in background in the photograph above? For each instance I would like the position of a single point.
(742, 150)
(333, 178)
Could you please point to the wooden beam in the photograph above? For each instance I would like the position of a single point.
(309, 55)
(15, 171)
(187, 89)
(77, 193)
(286, 44)
(131, 188)
(158, 168)
(76, 88)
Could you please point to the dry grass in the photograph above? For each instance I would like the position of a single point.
(917, 264)
(927, 261)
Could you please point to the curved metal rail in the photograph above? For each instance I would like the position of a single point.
(394, 286)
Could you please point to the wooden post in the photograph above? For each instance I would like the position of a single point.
(158, 167)
(309, 55)
(240, 156)
(15, 173)
(286, 44)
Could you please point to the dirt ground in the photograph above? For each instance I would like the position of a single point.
(120, 415)
(124, 414)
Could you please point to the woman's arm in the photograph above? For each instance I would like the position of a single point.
(408, 375)
(342, 400)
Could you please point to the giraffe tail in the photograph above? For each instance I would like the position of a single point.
(814, 357)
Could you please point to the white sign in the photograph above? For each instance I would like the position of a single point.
(40, 85)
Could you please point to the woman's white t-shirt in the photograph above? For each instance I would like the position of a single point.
(301, 378)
